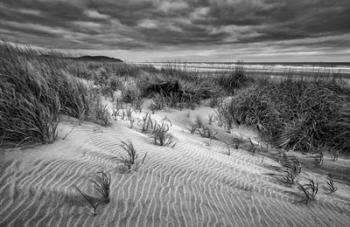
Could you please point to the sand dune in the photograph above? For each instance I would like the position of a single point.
(191, 184)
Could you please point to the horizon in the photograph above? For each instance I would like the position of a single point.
(189, 31)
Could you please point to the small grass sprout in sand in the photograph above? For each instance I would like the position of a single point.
(330, 182)
(237, 141)
(202, 130)
(228, 149)
(290, 162)
(137, 104)
(131, 159)
(210, 118)
(161, 135)
(115, 114)
(123, 114)
(129, 113)
(146, 123)
(132, 120)
(199, 122)
(102, 182)
(158, 103)
(118, 106)
(310, 190)
(293, 166)
(319, 159)
(289, 179)
(92, 201)
(335, 155)
(81, 115)
(252, 147)
(67, 134)
(102, 115)
(196, 125)
(207, 132)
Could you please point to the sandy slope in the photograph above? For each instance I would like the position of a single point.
(190, 185)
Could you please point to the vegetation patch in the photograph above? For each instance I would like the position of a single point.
(300, 115)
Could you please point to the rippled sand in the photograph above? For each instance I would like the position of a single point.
(192, 184)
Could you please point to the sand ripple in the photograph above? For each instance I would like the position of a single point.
(190, 185)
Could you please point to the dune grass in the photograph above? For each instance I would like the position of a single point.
(302, 115)
(34, 91)
(131, 159)
(309, 190)
(161, 135)
(331, 185)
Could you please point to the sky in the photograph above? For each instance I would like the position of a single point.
(193, 30)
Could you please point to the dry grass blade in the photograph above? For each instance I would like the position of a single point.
(290, 177)
(252, 147)
(161, 136)
(237, 142)
(331, 187)
(91, 201)
(103, 116)
(102, 182)
(146, 123)
(291, 162)
(310, 190)
(67, 134)
(210, 118)
(319, 159)
(132, 155)
(130, 161)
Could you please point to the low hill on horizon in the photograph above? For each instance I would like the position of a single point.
(97, 58)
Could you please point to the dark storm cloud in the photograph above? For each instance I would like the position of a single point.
(151, 24)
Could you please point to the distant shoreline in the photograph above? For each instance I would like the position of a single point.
(329, 64)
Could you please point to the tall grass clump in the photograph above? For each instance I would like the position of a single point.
(300, 115)
(234, 79)
(34, 90)
(29, 106)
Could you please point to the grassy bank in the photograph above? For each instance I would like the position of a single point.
(305, 115)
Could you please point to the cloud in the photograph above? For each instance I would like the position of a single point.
(95, 14)
(198, 25)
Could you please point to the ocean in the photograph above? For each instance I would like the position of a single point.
(335, 69)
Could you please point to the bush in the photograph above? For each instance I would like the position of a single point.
(300, 115)
(177, 93)
(130, 93)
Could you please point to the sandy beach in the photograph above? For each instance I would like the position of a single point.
(193, 184)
